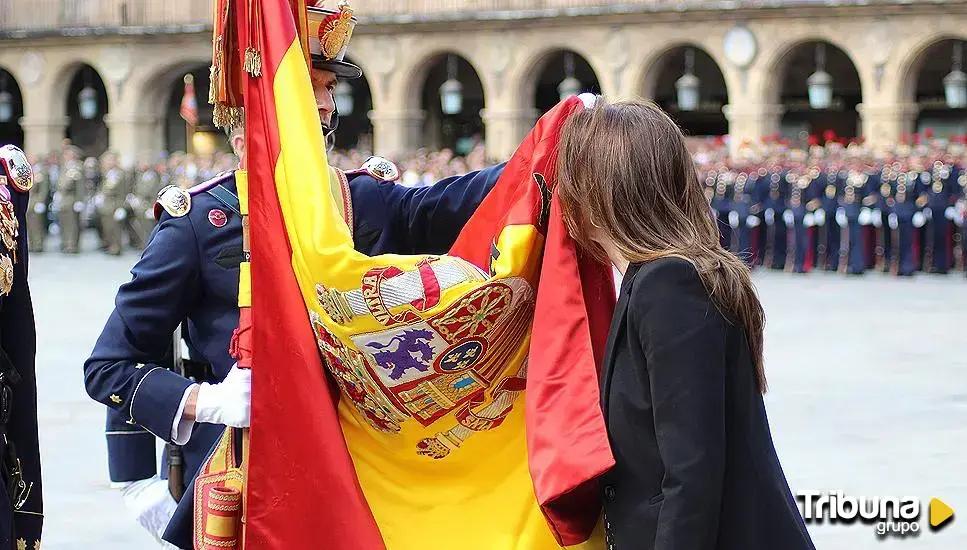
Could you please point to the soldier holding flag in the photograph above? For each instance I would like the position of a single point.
(189, 275)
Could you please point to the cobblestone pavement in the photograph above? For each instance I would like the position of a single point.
(868, 394)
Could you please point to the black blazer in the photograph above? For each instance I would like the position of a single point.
(695, 468)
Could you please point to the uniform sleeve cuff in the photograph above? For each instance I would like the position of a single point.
(132, 455)
(182, 427)
(157, 400)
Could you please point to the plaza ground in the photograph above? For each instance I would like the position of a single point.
(867, 376)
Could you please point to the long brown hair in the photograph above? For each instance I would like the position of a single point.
(625, 173)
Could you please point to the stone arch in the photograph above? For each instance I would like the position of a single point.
(414, 75)
(205, 138)
(86, 130)
(11, 110)
(532, 70)
(921, 84)
(785, 84)
(458, 131)
(666, 66)
(355, 128)
(539, 88)
(912, 63)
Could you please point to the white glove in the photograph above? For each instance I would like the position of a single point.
(151, 504)
(788, 217)
(120, 214)
(894, 221)
(40, 208)
(919, 220)
(928, 212)
(820, 216)
(841, 217)
(770, 216)
(809, 220)
(865, 217)
(734, 218)
(228, 402)
(950, 213)
(78, 207)
(877, 218)
(753, 221)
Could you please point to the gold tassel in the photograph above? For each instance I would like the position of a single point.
(253, 62)
(213, 87)
(256, 63)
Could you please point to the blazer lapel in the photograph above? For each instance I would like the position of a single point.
(617, 329)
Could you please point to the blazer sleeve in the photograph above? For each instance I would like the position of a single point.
(683, 336)
(123, 371)
(431, 218)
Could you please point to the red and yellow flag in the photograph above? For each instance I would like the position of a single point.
(457, 402)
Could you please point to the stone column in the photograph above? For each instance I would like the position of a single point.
(505, 129)
(749, 122)
(396, 133)
(134, 134)
(884, 123)
(43, 135)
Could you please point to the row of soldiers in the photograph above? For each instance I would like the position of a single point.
(70, 194)
(843, 208)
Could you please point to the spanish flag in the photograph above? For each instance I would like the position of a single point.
(410, 402)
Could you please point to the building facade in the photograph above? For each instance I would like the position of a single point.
(109, 73)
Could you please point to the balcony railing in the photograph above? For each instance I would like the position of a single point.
(72, 17)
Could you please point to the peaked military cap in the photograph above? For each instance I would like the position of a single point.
(329, 35)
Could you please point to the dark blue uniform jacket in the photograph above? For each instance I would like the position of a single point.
(190, 270)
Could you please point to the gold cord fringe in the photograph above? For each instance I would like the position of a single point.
(228, 117)
(253, 62)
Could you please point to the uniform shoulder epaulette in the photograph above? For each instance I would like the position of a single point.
(19, 173)
(378, 168)
(174, 200)
(206, 185)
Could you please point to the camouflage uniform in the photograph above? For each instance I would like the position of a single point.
(69, 203)
(37, 208)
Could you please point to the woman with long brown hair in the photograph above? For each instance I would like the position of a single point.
(683, 376)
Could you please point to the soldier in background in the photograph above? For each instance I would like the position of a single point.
(829, 234)
(722, 204)
(941, 196)
(799, 217)
(776, 201)
(37, 206)
(147, 184)
(68, 200)
(960, 214)
(110, 201)
(743, 207)
(89, 196)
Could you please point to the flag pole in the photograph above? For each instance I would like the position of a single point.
(189, 127)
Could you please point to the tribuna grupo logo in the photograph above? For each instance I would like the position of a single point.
(889, 515)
